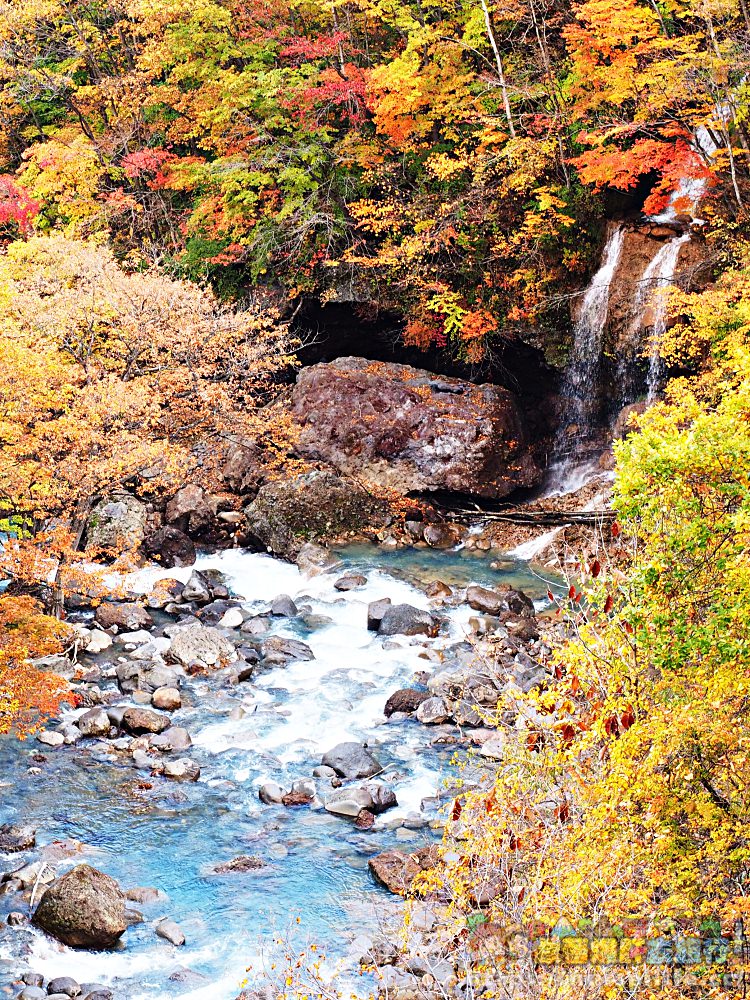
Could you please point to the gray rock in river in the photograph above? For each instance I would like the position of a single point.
(14, 837)
(195, 642)
(403, 619)
(283, 607)
(174, 738)
(286, 513)
(278, 651)
(95, 722)
(143, 720)
(65, 985)
(352, 760)
(433, 711)
(348, 802)
(404, 700)
(271, 793)
(375, 612)
(169, 930)
(197, 589)
(83, 909)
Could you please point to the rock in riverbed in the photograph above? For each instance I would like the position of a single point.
(83, 909)
(403, 619)
(16, 838)
(404, 700)
(352, 760)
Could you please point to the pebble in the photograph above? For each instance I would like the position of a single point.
(64, 985)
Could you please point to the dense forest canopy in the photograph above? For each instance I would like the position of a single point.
(449, 159)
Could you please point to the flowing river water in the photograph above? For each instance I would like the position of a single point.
(275, 727)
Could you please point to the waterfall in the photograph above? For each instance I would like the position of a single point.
(580, 383)
(688, 194)
(651, 294)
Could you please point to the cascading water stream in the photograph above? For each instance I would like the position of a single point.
(651, 294)
(581, 376)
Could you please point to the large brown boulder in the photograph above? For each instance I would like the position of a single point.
(408, 429)
(83, 909)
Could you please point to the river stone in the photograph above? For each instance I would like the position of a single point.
(283, 607)
(232, 618)
(30, 992)
(83, 909)
(403, 619)
(169, 930)
(28, 875)
(375, 612)
(404, 700)
(171, 548)
(125, 616)
(143, 894)
(191, 643)
(166, 699)
(466, 714)
(352, 760)
(95, 722)
(270, 793)
(64, 985)
(32, 979)
(482, 599)
(443, 536)
(191, 509)
(183, 769)
(98, 641)
(239, 865)
(159, 676)
(382, 796)
(138, 638)
(174, 738)
(15, 838)
(116, 523)
(395, 870)
(433, 711)
(348, 802)
(408, 429)
(197, 589)
(350, 582)
(436, 588)
(164, 592)
(50, 739)
(278, 651)
(143, 720)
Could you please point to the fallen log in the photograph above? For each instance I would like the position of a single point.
(540, 519)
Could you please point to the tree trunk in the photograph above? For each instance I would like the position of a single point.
(500, 70)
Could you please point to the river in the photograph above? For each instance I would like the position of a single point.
(274, 728)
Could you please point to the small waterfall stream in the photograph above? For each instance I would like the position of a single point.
(652, 296)
(580, 382)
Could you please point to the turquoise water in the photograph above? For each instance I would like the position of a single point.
(170, 835)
